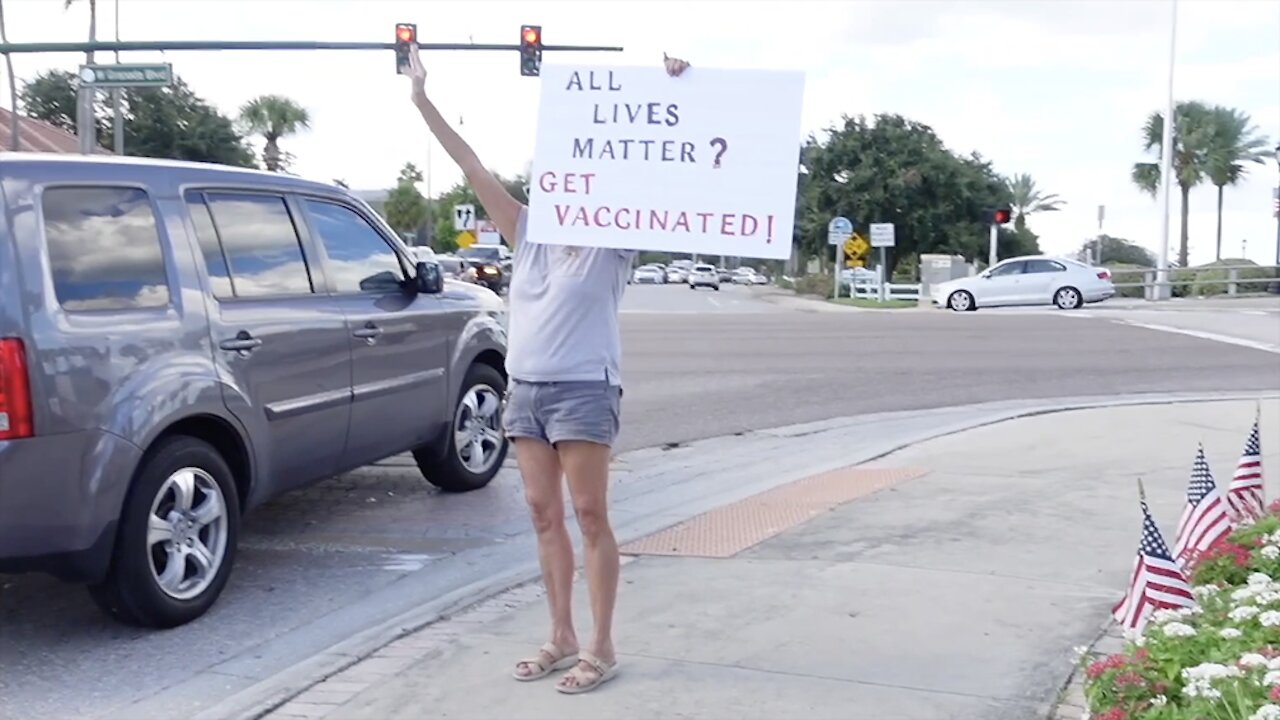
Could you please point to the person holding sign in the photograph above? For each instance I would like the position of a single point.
(562, 406)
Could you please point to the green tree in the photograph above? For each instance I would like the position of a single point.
(1120, 251)
(1233, 142)
(406, 208)
(171, 122)
(1192, 129)
(1028, 200)
(274, 117)
(891, 169)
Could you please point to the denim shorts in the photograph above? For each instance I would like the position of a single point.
(558, 411)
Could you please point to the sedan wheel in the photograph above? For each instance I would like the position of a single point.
(960, 301)
(1068, 298)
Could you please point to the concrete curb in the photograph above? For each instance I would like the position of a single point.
(1071, 703)
(269, 694)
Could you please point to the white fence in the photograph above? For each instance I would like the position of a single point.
(869, 289)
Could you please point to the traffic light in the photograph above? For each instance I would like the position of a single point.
(530, 50)
(406, 41)
(998, 216)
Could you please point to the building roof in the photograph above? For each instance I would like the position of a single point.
(37, 136)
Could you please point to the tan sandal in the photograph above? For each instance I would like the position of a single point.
(548, 660)
(593, 676)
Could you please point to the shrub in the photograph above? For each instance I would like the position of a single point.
(1220, 659)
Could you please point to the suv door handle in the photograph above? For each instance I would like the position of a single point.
(369, 333)
(242, 343)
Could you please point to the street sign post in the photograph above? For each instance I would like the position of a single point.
(464, 217)
(882, 237)
(839, 230)
(120, 76)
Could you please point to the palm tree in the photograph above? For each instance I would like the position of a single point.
(1234, 142)
(1028, 200)
(1192, 128)
(274, 117)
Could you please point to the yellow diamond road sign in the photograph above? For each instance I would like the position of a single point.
(465, 239)
(856, 247)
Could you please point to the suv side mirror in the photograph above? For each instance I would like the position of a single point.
(428, 279)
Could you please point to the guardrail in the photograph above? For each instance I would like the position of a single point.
(1197, 282)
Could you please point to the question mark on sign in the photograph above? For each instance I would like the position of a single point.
(719, 142)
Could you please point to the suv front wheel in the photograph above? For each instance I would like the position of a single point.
(177, 537)
(477, 444)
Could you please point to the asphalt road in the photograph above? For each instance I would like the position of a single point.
(698, 364)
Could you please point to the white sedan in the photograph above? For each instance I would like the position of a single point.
(1031, 280)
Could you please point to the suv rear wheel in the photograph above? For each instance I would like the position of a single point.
(477, 445)
(177, 537)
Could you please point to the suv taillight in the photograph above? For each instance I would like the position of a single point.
(1104, 274)
(15, 391)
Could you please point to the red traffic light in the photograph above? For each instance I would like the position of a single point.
(1002, 216)
(405, 33)
(530, 36)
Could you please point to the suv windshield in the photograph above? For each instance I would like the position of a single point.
(491, 253)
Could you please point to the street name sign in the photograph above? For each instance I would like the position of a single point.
(121, 76)
(839, 230)
(882, 235)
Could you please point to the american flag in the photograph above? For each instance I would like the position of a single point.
(1245, 493)
(1205, 520)
(1157, 582)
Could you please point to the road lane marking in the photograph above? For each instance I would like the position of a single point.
(1265, 347)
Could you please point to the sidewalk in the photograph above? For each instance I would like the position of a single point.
(953, 584)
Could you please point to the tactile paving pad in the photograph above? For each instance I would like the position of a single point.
(727, 531)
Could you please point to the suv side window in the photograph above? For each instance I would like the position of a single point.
(104, 249)
(360, 260)
(1044, 266)
(260, 245)
(215, 261)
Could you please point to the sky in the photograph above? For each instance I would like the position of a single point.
(1059, 89)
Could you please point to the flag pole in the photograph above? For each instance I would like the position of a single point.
(1142, 493)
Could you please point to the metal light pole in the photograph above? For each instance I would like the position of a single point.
(1277, 209)
(1166, 165)
(117, 122)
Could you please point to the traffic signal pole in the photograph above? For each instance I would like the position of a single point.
(991, 245)
(87, 139)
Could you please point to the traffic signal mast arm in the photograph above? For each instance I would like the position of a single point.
(499, 205)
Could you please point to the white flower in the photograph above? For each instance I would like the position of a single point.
(1270, 618)
(1267, 712)
(1271, 678)
(1161, 617)
(1210, 671)
(1270, 552)
(1080, 651)
(1252, 660)
(1241, 594)
(1177, 629)
(1274, 663)
(1259, 580)
(1159, 701)
(1205, 591)
(1269, 597)
(1244, 612)
(1229, 633)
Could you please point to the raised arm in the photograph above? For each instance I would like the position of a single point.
(499, 205)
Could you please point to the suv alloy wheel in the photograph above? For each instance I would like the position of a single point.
(477, 444)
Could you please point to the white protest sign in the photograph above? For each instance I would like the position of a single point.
(631, 158)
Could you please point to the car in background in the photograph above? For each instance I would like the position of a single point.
(704, 276)
(1028, 280)
(182, 342)
(492, 265)
(648, 275)
(676, 274)
(725, 274)
(748, 276)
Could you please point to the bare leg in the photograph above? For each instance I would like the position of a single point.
(540, 468)
(586, 466)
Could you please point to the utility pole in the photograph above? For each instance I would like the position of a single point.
(1166, 164)
(117, 112)
(1102, 213)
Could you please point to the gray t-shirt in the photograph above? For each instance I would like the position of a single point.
(563, 315)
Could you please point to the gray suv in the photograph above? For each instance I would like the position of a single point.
(182, 342)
